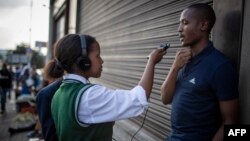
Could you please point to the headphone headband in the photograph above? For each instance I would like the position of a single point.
(83, 61)
(83, 45)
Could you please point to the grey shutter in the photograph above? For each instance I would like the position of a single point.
(128, 30)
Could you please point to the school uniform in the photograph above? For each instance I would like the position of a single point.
(43, 102)
(85, 112)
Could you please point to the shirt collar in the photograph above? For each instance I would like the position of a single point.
(203, 53)
(76, 77)
(197, 59)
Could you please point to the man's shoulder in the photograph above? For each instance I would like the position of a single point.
(218, 58)
(218, 61)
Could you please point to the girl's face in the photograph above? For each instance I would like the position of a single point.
(96, 61)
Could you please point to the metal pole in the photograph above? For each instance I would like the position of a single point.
(30, 29)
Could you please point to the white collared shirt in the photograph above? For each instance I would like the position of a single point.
(100, 104)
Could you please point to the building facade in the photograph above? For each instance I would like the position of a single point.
(128, 30)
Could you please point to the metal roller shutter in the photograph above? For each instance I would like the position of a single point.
(128, 30)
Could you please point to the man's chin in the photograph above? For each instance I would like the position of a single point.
(185, 44)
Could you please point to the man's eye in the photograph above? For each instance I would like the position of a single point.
(184, 22)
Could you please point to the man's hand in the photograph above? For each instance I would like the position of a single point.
(182, 57)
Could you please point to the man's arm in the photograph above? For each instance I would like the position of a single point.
(229, 114)
(225, 85)
(168, 86)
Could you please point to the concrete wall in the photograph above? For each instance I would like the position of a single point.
(244, 81)
(227, 30)
(231, 36)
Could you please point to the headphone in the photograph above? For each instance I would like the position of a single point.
(83, 61)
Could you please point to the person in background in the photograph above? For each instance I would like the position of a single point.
(86, 111)
(202, 83)
(35, 78)
(26, 82)
(17, 74)
(49, 74)
(18, 71)
(9, 91)
(5, 85)
(51, 82)
(43, 101)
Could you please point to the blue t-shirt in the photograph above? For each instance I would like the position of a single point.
(207, 79)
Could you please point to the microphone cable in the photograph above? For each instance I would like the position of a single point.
(143, 121)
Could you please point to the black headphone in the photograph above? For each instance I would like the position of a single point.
(83, 61)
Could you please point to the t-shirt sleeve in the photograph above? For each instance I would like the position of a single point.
(225, 82)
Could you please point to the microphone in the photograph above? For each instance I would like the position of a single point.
(165, 46)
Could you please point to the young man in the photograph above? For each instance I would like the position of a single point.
(201, 84)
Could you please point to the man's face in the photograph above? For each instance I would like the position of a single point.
(189, 28)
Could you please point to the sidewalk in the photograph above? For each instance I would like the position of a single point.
(8, 119)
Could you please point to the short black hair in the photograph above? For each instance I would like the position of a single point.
(206, 11)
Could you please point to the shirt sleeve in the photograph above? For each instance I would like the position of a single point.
(225, 82)
(100, 104)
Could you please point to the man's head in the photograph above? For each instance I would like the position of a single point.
(205, 13)
(196, 22)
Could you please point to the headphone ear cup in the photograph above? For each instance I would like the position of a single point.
(83, 63)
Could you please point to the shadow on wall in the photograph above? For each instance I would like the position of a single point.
(232, 34)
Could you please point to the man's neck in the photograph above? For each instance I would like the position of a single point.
(197, 48)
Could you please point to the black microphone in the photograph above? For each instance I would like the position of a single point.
(165, 46)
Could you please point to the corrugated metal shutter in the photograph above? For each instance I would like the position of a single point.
(128, 30)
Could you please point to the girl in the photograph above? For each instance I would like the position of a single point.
(84, 111)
